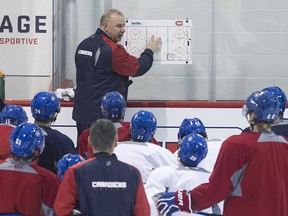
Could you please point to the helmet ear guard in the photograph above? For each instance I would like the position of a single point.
(246, 113)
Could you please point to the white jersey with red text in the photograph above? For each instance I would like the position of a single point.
(171, 179)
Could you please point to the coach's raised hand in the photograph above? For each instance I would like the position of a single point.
(154, 44)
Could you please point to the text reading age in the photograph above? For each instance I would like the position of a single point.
(24, 24)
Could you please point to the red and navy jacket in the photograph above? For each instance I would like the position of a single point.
(102, 66)
(102, 186)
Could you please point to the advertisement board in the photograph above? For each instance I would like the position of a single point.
(26, 41)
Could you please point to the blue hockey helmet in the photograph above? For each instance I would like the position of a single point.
(264, 104)
(25, 139)
(44, 106)
(143, 126)
(13, 114)
(281, 97)
(193, 149)
(67, 161)
(113, 106)
(193, 125)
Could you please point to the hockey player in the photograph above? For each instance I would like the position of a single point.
(191, 125)
(195, 125)
(281, 126)
(139, 152)
(45, 107)
(10, 117)
(113, 107)
(13, 115)
(102, 185)
(26, 189)
(188, 126)
(65, 162)
(185, 175)
(250, 173)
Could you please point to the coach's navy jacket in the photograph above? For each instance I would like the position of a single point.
(102, 66)
(102, 186)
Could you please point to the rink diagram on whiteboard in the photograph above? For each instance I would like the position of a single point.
(176, 36)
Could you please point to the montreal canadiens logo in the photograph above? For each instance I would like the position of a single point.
(179, 23)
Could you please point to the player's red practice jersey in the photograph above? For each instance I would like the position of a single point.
(250, 174)
(5, 132)
(27, 189)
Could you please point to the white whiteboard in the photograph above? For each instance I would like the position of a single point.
(176, 38)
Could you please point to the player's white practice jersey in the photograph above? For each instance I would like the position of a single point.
(170, 179)
(208, 163)
(144, 155)
(214, 146)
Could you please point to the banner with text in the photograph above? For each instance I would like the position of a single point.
(26, 37)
